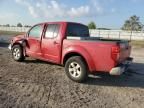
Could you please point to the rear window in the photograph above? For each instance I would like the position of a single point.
(52, 31)
(77, 30)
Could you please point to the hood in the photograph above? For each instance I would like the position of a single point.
(20, 36)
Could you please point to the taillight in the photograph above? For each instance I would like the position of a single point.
(115, 53)
(115, 49)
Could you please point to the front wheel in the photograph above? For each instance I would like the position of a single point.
(17, 53)
(76, 69)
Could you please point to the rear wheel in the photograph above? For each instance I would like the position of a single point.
(17, 53)
(76, 69)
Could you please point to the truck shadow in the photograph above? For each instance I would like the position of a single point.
(134, 77)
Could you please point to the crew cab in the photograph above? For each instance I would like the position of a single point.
(69, 44)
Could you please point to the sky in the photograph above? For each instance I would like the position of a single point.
(105, 13)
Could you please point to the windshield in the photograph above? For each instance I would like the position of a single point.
(77, 30)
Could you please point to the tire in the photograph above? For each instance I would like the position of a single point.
(17, 53)
(76, 69)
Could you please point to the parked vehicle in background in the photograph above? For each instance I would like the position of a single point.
(70, 45)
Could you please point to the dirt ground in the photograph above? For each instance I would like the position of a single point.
(37, 84)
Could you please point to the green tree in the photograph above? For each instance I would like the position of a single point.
(133, 24)
(92, 25)
(19, 25)
(7, 25)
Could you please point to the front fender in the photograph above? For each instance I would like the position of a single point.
(81, 51)
(22, 42)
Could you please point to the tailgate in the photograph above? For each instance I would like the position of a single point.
(125, 51)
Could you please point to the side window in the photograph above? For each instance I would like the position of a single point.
(36, 31)
(52, 31)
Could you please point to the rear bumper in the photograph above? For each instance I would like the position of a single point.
(121, 68)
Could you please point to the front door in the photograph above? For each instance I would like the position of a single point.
(34, 41)
(51, 43)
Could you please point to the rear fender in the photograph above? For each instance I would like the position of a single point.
(81, 51)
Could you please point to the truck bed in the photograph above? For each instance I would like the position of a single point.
(97, 39)
(101, 50)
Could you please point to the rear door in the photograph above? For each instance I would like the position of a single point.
(34, 41)
(51, 43)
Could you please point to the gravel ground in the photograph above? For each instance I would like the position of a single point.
(37, 84)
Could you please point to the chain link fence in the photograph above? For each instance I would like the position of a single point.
(118, 34)
(15, 29)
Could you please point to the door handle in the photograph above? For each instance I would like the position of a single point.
(38, 40)
(55, 42)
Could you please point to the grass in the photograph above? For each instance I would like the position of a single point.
(10, 33)
(138, 43)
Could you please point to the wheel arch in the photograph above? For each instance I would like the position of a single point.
(17, 44)
(72, 54)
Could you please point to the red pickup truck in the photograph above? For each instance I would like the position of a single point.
(70, 45)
